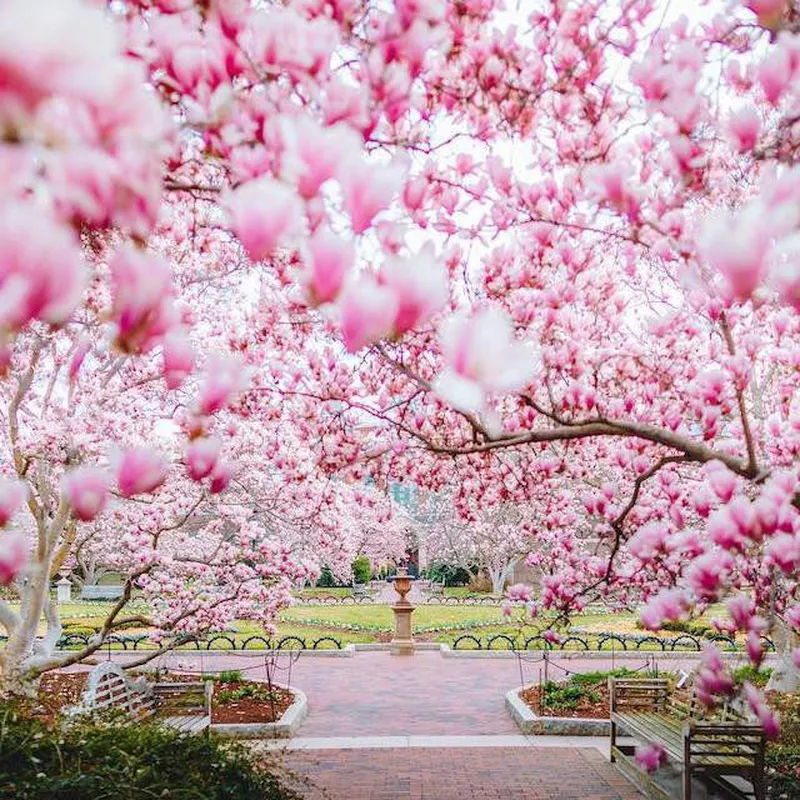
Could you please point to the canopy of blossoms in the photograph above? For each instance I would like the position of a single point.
(548, 258)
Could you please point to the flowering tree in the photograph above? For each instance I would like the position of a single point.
(449, 245)
(491, 542)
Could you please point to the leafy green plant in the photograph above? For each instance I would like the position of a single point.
(230, 676)
(361, 570)
(758, 677)
(114, 758)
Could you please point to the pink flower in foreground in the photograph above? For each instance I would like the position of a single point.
(224, 379)
(86, 489)
(178, 356)
(744, 127)
(13, 494)
(481, 357)
(331, 257)
(221, 477)
(264, 214)
(139, 470)
(368, 188)
(722, 480)
(42, 272)
(13, 556)
(367, 313)
(54, 46)
(669, 606)
(142, 310)
(201, 457)
(650, 756)
(736, 246)
(419, 283)
(769, 12)
(766, 716)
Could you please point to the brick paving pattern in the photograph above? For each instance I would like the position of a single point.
(459, 774)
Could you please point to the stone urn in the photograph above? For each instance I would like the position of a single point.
(403, 642)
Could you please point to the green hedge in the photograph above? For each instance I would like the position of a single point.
(93, 760)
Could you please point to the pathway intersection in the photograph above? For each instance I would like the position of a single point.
(428, 727)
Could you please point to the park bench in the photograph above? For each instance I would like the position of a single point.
(105, 592)
(435, 590)
(360, 590)
(716, 744)
(185, 707)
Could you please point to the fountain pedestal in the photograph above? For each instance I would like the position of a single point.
(403, 642)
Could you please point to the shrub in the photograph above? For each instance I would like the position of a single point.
(758, 677)
(451, 575)
(361, 570)
(109, 758)
(230, 676)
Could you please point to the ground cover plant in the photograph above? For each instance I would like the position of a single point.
(95, 759)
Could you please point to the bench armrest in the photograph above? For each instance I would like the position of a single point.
(637, 692)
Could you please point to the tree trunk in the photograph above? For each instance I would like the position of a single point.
(785, 676)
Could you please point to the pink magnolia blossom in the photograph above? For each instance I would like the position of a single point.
(769, 12)
(221, 477)
(650, 756)
(331, 257)
(12, 495)
(86, 489)
(139, 470)
(179, 356)
(201, 457)
(265, 214)
(737, 247)
(519, 593)
(313, 152)
(224, 379)
(769, 720)
(419, 284)
(670, 605)
(143, 309)
(744, 127)
(481, 357)
(367, 312)
(60, 46)
(14, 556)
(42, 273)
(368, 188)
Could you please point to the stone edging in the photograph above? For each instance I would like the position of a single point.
(531, 723)
(285, 727)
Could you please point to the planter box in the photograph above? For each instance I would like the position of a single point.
(285, 727)
(531, 723)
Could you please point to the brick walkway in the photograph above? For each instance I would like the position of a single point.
(459, 774)
(377, 694)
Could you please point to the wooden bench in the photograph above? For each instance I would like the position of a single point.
(435, 590)
(186, 707)
(714, 744)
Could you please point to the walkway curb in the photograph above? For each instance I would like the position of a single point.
(285, 727)
(531, 723)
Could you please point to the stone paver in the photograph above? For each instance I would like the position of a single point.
(459, 774)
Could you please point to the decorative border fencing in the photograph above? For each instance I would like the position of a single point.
(217, 641)
(601, 642)
(431, 600)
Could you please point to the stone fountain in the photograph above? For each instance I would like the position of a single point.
(403, 641)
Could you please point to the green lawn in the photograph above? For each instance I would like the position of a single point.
(373, 623)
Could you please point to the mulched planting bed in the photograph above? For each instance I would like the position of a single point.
(232, 701)
(248, 701)
(593, 705)
(57, 690)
